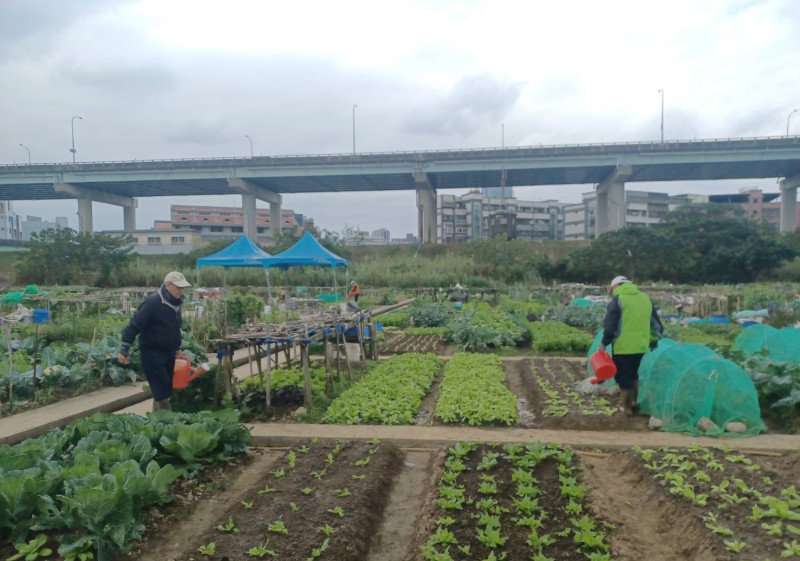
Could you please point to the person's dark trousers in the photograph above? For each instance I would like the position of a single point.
(627, 370)
(159, 367)
(355, 297)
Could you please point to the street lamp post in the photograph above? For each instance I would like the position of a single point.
(662, 114)
(251, 144)
(354, 128)
(789, 118)
(29, 152)
(73, 137)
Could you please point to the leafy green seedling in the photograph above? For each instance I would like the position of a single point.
(343, 492)
(303, 449)
(32, 549)
(307, 490)
(261, 550)
(229, 528)
(790, 549)
(363, 463)
(330, 459)
(327, 530)
(374, 441)
(267, 489)
(773, 529)
(339, 511)
(81, 553)
(318, 474)
(278, 473)
(735, 546)
(317, 551)
(292, 457)
(294, 506)
(359, 476)
(278, 527)
(248, 505)
(209, 549)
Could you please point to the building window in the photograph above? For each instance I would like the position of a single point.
(178, 239)
(155, 240)
(216, 228)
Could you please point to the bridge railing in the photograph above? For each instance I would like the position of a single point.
(413, 157)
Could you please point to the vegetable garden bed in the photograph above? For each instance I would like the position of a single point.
(322, 501)
(414, 344)
(558, 405)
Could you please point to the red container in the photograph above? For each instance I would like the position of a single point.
(184, 373)
(603, 366)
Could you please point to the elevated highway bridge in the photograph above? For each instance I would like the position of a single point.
(608, 166)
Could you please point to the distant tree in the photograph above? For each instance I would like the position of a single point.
(64, 256)
(695, 243)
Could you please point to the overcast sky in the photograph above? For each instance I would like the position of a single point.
(156, 79)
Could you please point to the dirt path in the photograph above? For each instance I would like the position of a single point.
(193, 526)
(518, 373)
(649, 525)
(428, 405)
(394, 540)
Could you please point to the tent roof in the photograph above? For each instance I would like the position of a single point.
(241, 253)
(307, 251)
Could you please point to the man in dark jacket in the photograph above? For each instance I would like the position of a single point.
(157, 322)
(632, 325)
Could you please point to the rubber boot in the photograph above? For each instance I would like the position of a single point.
(635, 397)
(162, 405)
(625, 401)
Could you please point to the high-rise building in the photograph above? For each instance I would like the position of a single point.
(34, 225)
(475, 217)
(10, 229)
(642, 209)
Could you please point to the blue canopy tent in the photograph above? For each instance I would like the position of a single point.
(306, 252)
(241, 253)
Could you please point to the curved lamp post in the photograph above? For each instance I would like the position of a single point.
(354, 128)
(662, 114)
(251, 144)
(789, 118)
(29, 152)
(73, 137)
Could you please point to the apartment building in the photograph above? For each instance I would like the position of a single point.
(462, 218)
(642, 209)
(215, 222)
(10, 227)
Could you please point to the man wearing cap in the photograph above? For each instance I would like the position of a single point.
(632, 325)
(157, 322)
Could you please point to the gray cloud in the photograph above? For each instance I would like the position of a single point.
(120, 78)
(30, 28)
(195, 132)
(474, 103)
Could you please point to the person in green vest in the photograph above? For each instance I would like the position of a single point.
(632, 326)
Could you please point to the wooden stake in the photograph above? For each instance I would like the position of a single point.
(10, 367)
(762, 453)
(268, 386)
(309, 400)
(592, 454)
(360, 327)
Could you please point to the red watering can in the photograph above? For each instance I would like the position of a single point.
(603, 366)
(184, 373)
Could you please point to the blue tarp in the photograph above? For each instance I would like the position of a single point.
(305, 252)
(241, 253)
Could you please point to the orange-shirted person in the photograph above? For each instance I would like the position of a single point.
(355, 291)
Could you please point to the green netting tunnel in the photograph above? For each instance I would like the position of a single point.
(779, 344)
(680, 383)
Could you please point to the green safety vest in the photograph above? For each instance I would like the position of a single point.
(634, 332)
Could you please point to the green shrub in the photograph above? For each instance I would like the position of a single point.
(432, 315)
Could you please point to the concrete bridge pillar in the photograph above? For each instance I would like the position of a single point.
(275, 220)
(788, 188)
(611, 210)
(129, 218)
(250, 192)
(86, 196)
(426, 208)
(85, 223)
(250, 214)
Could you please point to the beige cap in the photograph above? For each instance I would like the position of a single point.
(177, 279)
(619, 280)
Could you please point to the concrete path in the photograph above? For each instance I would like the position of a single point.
(33, 423)
(283, 434)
